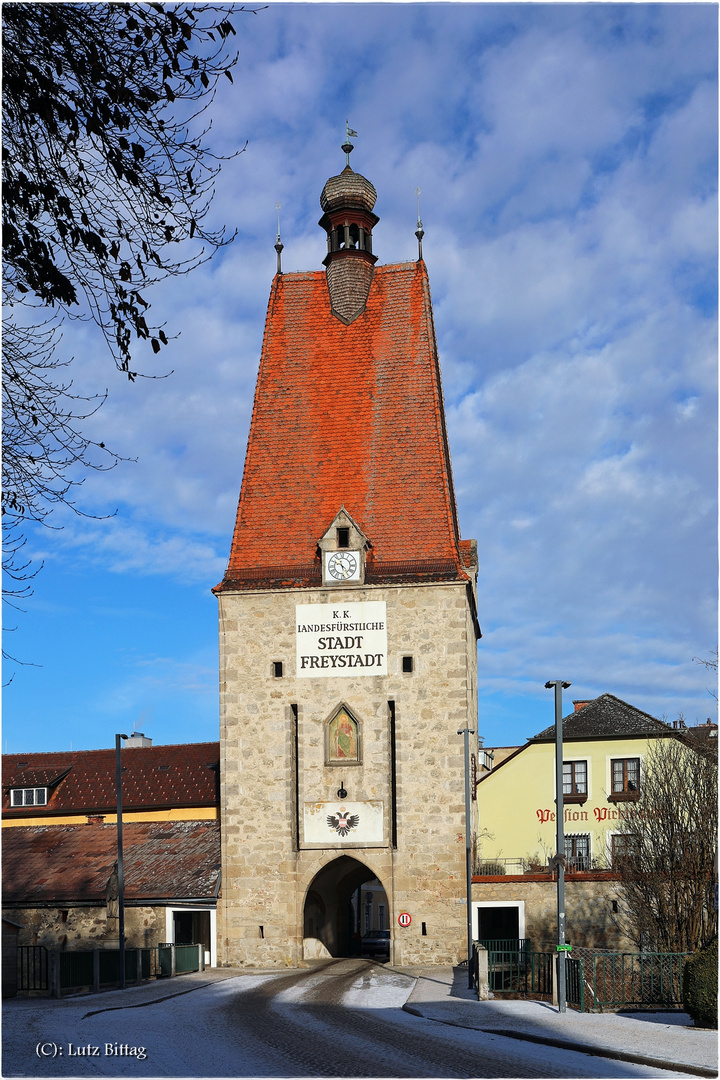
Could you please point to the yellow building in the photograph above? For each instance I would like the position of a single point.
(605, 745)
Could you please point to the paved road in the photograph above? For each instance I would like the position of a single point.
(343, 1018)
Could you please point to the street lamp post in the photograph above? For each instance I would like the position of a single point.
(466, 733)
(559, 860)
(121, 881)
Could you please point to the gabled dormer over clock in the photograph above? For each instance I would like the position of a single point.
(343, 548)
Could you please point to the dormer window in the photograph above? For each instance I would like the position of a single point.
(33, 796)
(342, 551)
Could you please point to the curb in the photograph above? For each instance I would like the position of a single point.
(151, 1001)
(581, 1048)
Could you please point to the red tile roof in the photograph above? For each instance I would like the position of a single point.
(347, 415)
(83, 781)
(179, 860)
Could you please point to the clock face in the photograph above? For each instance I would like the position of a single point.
(342, 565)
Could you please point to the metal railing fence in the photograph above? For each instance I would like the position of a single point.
(541, 973)
(637, 978)
(76, 970)
(514, 969)
(56, 972)
(595, 979)
(32, 968)
(520, 945)
(187, 959)
(575, 982)
(616, 980)
(497, 867)
(502, 866)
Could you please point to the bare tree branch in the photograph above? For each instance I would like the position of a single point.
(108, 180)
(670, 837)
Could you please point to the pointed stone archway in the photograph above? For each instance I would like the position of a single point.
(331, 914)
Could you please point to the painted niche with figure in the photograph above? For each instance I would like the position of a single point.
(343, 739)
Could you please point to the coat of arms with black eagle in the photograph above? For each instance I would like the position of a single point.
(342, 822)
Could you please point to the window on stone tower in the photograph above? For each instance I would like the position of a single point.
(407, 663)
(277, 669)
(343, 538)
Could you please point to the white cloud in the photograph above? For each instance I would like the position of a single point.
(567, 160)
(114, 545)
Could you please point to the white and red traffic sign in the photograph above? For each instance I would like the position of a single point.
(404, 918)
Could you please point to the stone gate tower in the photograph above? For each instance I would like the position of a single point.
(348, 622)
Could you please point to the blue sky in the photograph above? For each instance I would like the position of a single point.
(567, 158)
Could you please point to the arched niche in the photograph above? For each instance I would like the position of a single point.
(343, 743)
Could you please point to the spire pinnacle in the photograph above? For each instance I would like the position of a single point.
(347, 147)
(419, 232)
(278, 242)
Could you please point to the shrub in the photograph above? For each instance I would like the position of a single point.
(491, 869)
(700, 980)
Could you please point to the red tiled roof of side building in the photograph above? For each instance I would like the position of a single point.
(347, 415)
(161, 859)
(83, 781)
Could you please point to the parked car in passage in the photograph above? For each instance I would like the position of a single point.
(376, 943)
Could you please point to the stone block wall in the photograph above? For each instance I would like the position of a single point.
(87, 927)
(590, 921)
(265, 876)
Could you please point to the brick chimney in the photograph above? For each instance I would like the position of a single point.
(579, 704)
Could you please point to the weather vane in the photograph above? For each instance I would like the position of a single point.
(347, 146)
(419, 232)
(278, 242)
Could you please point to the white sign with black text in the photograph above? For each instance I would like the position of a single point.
(341, 639)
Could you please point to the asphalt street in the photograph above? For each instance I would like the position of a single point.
(343, 1018)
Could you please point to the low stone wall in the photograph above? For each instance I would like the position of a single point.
(590, 920)
(84, 927)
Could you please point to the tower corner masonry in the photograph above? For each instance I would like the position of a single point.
(348, 623)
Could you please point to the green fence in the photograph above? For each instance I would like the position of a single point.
(76, 970)
(165, 959)
(637, 978)
(518, 945)
(614, 980)
(514, 969)
(186, 958)
(79, 970)
(32, 968)
(575, 982)
(595, 979)
(110, 965)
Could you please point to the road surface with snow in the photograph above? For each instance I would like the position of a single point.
(343, 1019)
